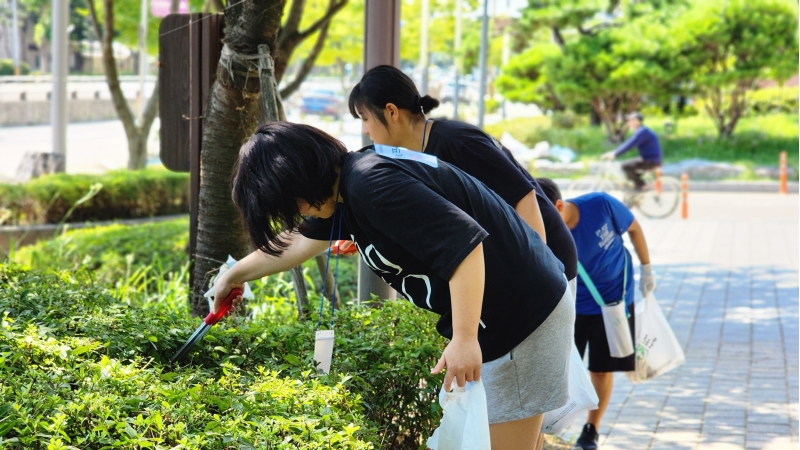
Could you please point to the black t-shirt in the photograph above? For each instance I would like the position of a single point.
(414, 224)
(478, 154)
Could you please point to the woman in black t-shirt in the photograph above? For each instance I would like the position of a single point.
(393, 113)
(435, 234)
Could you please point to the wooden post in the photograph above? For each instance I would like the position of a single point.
(684, 196)
(381, 46)
(784, 189)
(190, 47)
(658, 180)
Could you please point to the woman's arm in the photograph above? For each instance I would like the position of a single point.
(647, 280)
(259, 264)
(528, 210)
(639, 243)
(462, 356)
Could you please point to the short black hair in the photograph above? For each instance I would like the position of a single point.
(382, 85)
(280, 164)
(550, 188)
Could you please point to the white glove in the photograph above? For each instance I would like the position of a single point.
(607, 156)
(647, 282)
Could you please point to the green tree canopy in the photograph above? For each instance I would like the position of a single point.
(733, 44)
(610, 55)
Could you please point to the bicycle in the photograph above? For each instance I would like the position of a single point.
(658, 199)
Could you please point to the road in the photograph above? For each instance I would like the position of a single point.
(96, 147)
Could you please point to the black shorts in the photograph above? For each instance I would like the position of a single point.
(589, 329)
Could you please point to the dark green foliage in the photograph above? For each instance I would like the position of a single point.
(124, 194)
(79, 369)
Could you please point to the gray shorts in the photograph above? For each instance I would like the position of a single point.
(533, 378)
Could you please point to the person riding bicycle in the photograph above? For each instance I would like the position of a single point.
(646, 141)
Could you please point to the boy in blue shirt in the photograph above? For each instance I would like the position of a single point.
(597, 222)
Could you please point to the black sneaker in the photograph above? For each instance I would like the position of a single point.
(588, 438)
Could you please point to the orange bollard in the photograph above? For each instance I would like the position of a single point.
(784, 189)
(658, 180)
(684, 196)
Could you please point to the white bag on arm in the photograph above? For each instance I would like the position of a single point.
(657, 349)
(465, 423)
(615, 314)
(582, 397)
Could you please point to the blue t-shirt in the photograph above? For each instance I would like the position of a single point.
(598, 236)
(646, 141)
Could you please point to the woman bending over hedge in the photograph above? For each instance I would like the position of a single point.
(435, 234)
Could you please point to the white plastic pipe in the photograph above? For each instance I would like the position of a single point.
(58, 105)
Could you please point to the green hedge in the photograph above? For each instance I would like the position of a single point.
(7, 67)
(124, 194)
(112, 252)
(773, 100)
(79, 369)
(133, 258)
(758, 140)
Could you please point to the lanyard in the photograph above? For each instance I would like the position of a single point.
(327, 264)
(424, 129)
(587, 280)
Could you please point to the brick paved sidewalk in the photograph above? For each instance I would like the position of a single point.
(728, 283)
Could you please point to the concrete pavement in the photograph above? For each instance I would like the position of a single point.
(728, 283)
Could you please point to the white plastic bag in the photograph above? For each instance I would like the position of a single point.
(465, 423)
(657, 348)
(618, 332)
(582, 397)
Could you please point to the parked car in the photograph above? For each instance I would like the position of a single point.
(321, 102)
(466, 92)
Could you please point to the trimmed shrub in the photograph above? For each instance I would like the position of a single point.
(124, 194)
(7, 67)
(773, 100)
(112, 252)
(79, 369)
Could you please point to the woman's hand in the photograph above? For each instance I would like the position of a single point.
(463, 359)
(223, 287)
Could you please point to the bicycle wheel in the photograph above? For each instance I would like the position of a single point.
(657, 205)
(586, 185)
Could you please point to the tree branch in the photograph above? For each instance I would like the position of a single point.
(557, 36)
(292, 24)
(150, 111)
(308, 64)
(333, 8)
(110, 67)
(95, 21)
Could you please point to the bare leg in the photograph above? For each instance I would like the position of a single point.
(517, 435)
(603, 383)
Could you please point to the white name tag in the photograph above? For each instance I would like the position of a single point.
(323, 350)
(403, 153)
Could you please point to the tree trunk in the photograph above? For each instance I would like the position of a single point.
(228, 121)
(137, 134)
(300, 292)
(137, 152)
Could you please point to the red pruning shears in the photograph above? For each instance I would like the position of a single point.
(344, 248)
(210, 320)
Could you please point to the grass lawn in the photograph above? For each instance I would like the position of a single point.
(757, 141)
